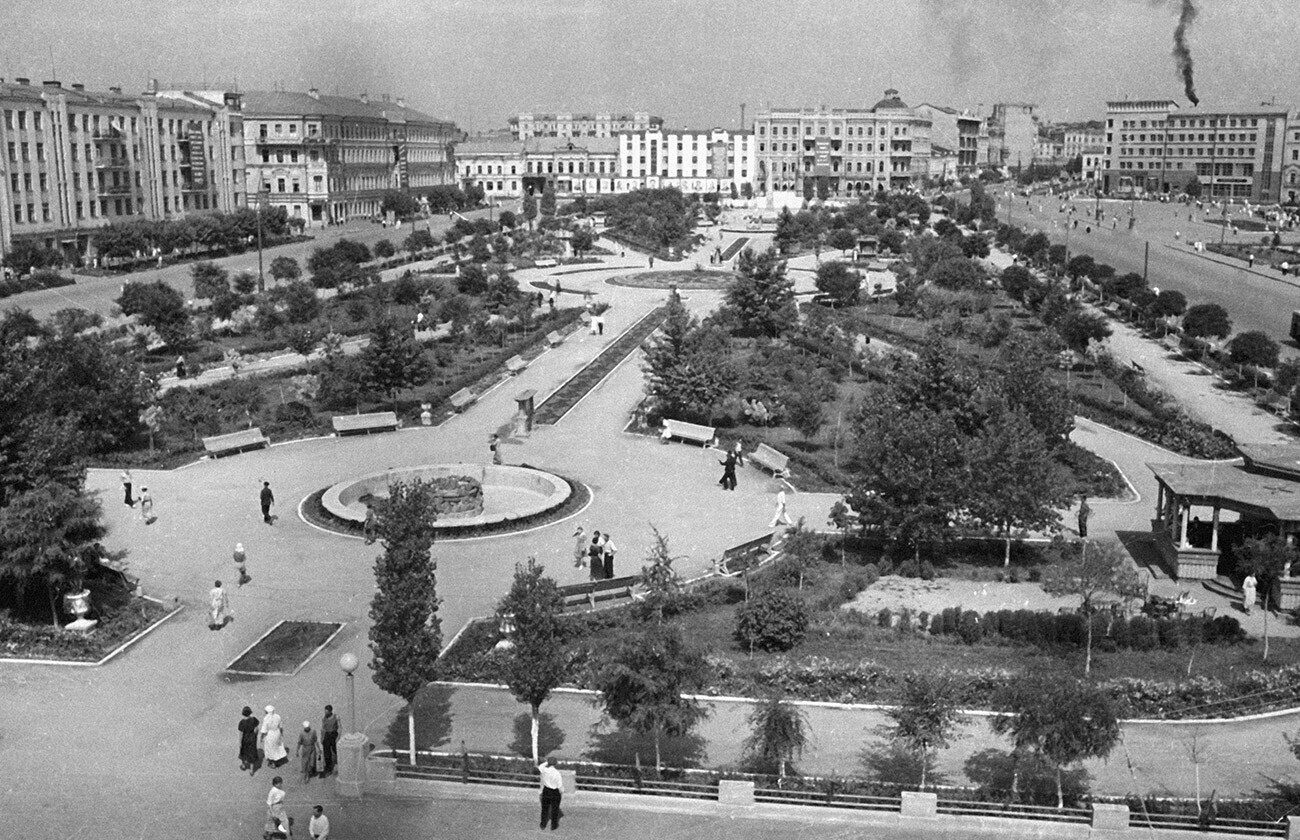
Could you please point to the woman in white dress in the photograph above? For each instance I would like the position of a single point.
(273, 748)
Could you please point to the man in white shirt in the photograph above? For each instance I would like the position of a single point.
(551, 784)
(319, 825)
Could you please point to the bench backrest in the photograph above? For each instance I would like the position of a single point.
(462, 397)
(554, 337)
(375, 419)
(768, 455)
(680, 428)
(754, 546)
(516, 363)
(234, 440)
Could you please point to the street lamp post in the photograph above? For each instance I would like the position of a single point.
(352, 746)
(348, 662)
(262, 198)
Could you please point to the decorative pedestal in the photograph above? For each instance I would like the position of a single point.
(1107, 817)
(1286, 594)
(353, 748)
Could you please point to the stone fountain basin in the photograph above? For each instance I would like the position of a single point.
(509, 492)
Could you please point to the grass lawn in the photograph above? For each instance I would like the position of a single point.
(285, 649)
(694, 279)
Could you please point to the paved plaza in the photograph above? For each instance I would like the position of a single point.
(146, 746)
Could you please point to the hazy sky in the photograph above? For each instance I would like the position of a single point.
(690, 61)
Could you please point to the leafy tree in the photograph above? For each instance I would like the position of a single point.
(530, 209)
(1015, 484)
(71, 321)
(210, 280)
(393, 360)
(1016, 280)
(1207, 320)
(842, 238)
(1080, 266)
(1169, 304)
(1079, 328)
(405, 634)
(662, 583)
(747, 190)
(581, 241)
(1062, 720)
(547, 204)
(285, 269)
(688, 368)
(771, 620)
(402, 205)
(535, 661)
(508, 219)
(418, 240)
(643, 678)
(836, 279)
(926, 718)
(26, 256)
(1253, 348)
(299, 301)
(384, 249)
(159, 306)
(958, 273)
(779, 732)
(761, 301)
(1027, 387)
(1267, 558)
(1090, 571)
(48, 538)
(502, 290)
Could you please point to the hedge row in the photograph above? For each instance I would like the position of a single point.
(35, 281)
(1109, 631)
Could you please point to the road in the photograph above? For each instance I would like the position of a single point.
(1256, 300)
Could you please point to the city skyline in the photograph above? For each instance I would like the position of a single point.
(693, 64)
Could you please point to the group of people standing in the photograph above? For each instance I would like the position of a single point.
(317, 753)
(597, 555)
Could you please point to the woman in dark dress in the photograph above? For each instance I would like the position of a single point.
(248, 741)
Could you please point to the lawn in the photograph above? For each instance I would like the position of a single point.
(285, 649)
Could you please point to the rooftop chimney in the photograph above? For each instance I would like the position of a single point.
(54, 83)
(78, 86)
(23, 80)
(314, 93)
(365, 98)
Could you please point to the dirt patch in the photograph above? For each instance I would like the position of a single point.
(286, 648)
(934, 596)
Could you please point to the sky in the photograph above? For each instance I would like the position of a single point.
(692, 62)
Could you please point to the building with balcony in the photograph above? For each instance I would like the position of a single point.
(1290, 189)
(515, 168)
(600, 124)
(962, 132)
(1155, 147)
(326, 159)
(842, 152)
(708, 161)
(73, 160)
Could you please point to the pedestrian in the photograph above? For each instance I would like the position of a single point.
(319, 824)
(146, 505)
(780, 515)
(275, 803)
(607, 549)
(494, 444)
(267, 499)
(1084, 513)
(600, 325)
(248, 741)
(273, 749)
(1248, 589)
(728, 480)
(552, 783)
(329, 740)
(126, 489)
(370, 528)
(180, 367)
(580, 548)
(1286, 266)
(308, 747)
(218, 607)
(596, 557)
(241, 560)
(1250, 261)
(738, 449)
(551, 301)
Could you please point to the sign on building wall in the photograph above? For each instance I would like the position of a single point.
(198, 161)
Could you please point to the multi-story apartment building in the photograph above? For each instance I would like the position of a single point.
(1061, 144)
(1291, 162)
(601, 124)
(842, 151)
(326, 159)
(962, 132)
(1152, 146)
(708, 161)
(513, 168)
(74, 160)
(1013, 135)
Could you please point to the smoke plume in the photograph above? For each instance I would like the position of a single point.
(1182, 55)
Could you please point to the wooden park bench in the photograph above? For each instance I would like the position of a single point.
(545, 262)
(377, 421)
(743, 557)
(462, 399)
(235, 442)
(589, 593)
(766, 456)
(515, 364)
(703, 435)
(554, 339)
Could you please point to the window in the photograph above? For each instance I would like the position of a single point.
(279, 128)
(18, 213)
(293, 156)
(279, 185)
(36, 123)
(27, 155)
(44, 182)
(293, 128)
(297, 187)
(279, 156)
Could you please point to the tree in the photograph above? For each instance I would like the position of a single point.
(1267, 558)
(508, 219)
(535, 662)
(1169, 304)
(642, 679)
(547, 204)
(393, 359)
(1207, 320)
(1079, 328)
(384, 249)
(926, 718)
(747, 190)
(285, 269)
(688, 369)
(662, 583)
(530, 209)
(779, 732)
(1015, 484)
(26, 256)
(405, 634)
(400, 204)
(159, 306)
(836, 279)
(210, 280)
(761, 301)
(1065, 721)
(1253, 348)
(1090, 571)
(959, 273)
(1016, 280)
(581, 241)
(48, 537)
(418, 240)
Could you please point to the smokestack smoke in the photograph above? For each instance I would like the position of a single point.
(1182, 54)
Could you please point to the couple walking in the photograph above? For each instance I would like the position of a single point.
(597, 555)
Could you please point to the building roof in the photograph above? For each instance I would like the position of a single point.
(290, 103)
(1234, 486)
(891, 102)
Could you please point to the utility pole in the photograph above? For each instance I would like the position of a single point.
(261, 277)
(1146, 260)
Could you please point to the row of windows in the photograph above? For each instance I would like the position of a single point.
(1158, 151)
(1183, 122)
(794, 147)
(835, 167)
(1189, 138)
(862, 131)
(313, 156)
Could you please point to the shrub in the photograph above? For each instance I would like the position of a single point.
(968, 627)
(885, 618)
(856, 580)
(773, 620)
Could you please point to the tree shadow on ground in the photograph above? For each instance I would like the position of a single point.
(893, 763)
(432, 720)
(549, 736)
(993, 771)
(625, 746)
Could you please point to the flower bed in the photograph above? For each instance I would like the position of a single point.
(39, 641)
